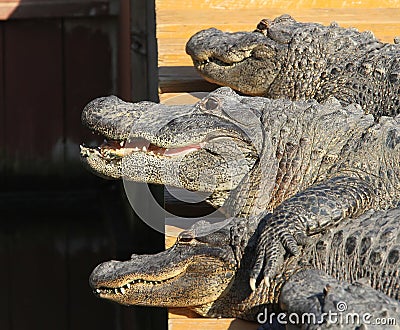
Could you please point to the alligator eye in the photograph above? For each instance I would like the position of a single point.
(263, 25)
(185, 237)
(210, 104)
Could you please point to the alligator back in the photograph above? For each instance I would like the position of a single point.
(365, 248)
(330, 60)
(284, 58)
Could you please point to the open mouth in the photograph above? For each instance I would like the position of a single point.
(113, 149)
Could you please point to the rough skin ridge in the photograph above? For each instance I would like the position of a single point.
(355, 262)
(286, 58)
(312, 166)
(261, 153)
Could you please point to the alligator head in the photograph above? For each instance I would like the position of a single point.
(207, 274)
(210, 274)
(196, 272)
(209, 146)
(246, 61)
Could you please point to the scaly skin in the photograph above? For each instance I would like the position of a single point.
(209, 274)
(285, 58)
(252, 154)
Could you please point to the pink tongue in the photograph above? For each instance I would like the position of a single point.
(181, 150)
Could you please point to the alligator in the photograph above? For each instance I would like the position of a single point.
(329, 284)
(295, 60)
(253, 155)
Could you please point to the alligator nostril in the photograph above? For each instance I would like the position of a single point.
(263, 25)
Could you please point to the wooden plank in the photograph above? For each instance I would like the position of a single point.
(56, 8)
(180, 98)
(33, 95)
(90, 59)
(182, 79)
(181, 313)
(170, 22)
(171, 46)
(124, 56)
(284, 4)
(143, 51)
(210, 324)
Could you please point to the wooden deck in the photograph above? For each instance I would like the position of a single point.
(178, 20)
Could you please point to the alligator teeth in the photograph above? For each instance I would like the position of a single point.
(121, 143)
(85, 152)
(144, 148)
(222, 63)
(253, 284)
(205, 62)
(122, 290)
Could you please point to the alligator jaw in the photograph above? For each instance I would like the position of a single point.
(114, 149)
(248, 62)
(157, 280)
(212, 68)
(156, 143)
(128, 286)
(107, 159)
(215, 66)
(201, 64)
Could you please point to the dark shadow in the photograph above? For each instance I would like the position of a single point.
(58, 221)
(174, 79)
(243, 325)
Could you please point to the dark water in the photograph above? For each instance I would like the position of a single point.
(52, 234)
